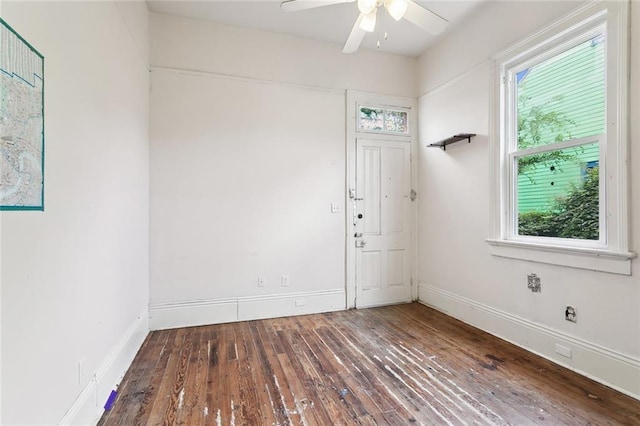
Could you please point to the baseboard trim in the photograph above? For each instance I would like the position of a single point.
(164, 316)
(386, 303)
(89, 405)
(614, 369)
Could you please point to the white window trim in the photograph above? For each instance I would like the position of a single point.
(610, 255)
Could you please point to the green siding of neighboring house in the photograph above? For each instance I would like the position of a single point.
(538, 189)
(572, 84)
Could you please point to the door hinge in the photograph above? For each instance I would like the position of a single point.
(413, 195)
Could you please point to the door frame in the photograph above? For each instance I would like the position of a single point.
(355, 98)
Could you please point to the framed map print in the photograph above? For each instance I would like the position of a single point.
(21, 123)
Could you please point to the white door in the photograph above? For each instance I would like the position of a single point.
(382, 222)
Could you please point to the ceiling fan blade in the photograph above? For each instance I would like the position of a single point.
(295, 5)
(356, 36)
(425, 19)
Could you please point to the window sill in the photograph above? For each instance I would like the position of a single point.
(573, 257)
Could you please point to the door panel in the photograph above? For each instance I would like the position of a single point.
(371, 189)
(382, 218)
(394, 199)
(371, 270)
(395, 260)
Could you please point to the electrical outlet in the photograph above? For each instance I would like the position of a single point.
(533, 283)
(300, 302)
(261, 281)
(335, 208)
(570, 314)
(285, 281)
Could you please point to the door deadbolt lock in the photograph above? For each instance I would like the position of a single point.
(360, 216)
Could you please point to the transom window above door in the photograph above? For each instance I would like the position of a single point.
(383, 120)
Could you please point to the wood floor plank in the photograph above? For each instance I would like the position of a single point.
(422, 406)
(189, 411)
(228, 377)
(456, 352)
(278, 375)
(162, 395)
(310, 393)
(333, 372)
(325, 391)
(481, 361)
(140, 383)
(255, 408)
(215, 373)
(394, 365)
(176, 392)
(375, 405)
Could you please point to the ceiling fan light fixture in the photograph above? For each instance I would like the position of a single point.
(396, 8)
(368, 22)
(367, 6)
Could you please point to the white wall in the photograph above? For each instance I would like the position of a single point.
(75, 277)
(247, 154)
(491, 292)
(189, 44)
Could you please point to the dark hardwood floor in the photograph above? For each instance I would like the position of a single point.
(396, 365)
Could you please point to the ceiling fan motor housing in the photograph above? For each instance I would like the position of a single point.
(396, 8)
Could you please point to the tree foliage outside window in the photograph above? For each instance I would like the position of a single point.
(384, 120)
(575, 216)
(531, 126)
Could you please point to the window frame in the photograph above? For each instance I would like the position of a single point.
(610, 253)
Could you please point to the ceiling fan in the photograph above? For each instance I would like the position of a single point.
(366, 22)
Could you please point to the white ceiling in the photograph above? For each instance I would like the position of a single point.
(331, 23)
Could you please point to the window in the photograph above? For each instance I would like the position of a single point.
(559, 156)
(559, 122)
(383, 120)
